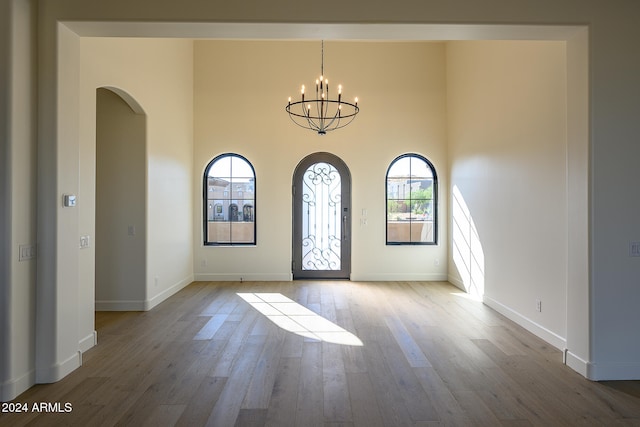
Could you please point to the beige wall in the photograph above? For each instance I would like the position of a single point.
(6, 375)
(507, 115)
(17, 196)
(241, 89)
(155, 77)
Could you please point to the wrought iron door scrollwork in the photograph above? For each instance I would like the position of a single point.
(322, 219)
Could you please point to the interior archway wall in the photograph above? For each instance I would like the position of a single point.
(120, 230)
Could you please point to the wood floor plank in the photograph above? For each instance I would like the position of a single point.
(364, 406)
(263, 379)
(251, 418)
(337, 407)
(283, 403)
(430, 357)
(447, 407)
(411, 350)
(211, 327)
(226, 410)
(292, 345)
(310, 403)
(475, 409)
(164, 415)
(199, 407)
(232, 350)
(389, 397)
(416, 401)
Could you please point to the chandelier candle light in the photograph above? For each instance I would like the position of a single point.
(322, 114)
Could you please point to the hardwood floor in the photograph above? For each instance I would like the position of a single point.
(430, 357)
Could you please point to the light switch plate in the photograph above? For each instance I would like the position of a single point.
(26, 252)
(69, 200)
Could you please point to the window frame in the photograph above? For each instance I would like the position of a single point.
(434, 200)
(229, 197)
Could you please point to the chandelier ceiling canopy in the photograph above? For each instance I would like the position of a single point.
(319, 112)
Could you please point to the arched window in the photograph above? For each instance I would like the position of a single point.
(229, 200)
(412, 201)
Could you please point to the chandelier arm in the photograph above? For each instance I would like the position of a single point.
(321, 122)
(322, 107)
(307, 114)
(333, 119)
(313, 125)
(305, 125)
(310, 120)
(355, 108)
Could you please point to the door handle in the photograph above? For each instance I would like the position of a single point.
(344, 227)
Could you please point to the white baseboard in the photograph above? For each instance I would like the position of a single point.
(613, 371)
(142, 305)
(87, 342)
(457, 282)
(286, 277)
(538, 330)
(120, 305)
(11, 389)
(149, 304)
(245, 277)
(392, 277)
(60, 370)
(576, 363)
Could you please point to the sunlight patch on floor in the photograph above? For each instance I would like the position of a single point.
(293, 317)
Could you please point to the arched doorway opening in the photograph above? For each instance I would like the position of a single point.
(120, 243)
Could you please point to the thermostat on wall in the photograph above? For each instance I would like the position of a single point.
(69, 200)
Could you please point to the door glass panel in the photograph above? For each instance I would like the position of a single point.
(321, 218)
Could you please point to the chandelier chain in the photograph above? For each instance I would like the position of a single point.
(322, 60)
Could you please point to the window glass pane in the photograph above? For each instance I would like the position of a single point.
(217, 187)
(242, 232)
(411, 199)
(400, 168)
(398, 188)
(397, 210)
(217, 208)
(398, 231)
(219, 232)
(221, 168)
(421, 188)
(230, 201)
(427, 210)
(241, 168)
(247, 211)
(422, 231)
(420, 169)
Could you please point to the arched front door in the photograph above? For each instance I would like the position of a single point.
(321, 218)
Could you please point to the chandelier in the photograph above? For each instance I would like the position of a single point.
(322, 114)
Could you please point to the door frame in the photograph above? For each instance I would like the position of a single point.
(345, 198)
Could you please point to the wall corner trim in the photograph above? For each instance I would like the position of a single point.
(87, 342)
(576, 363)
(11, 389)
(60, 370)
